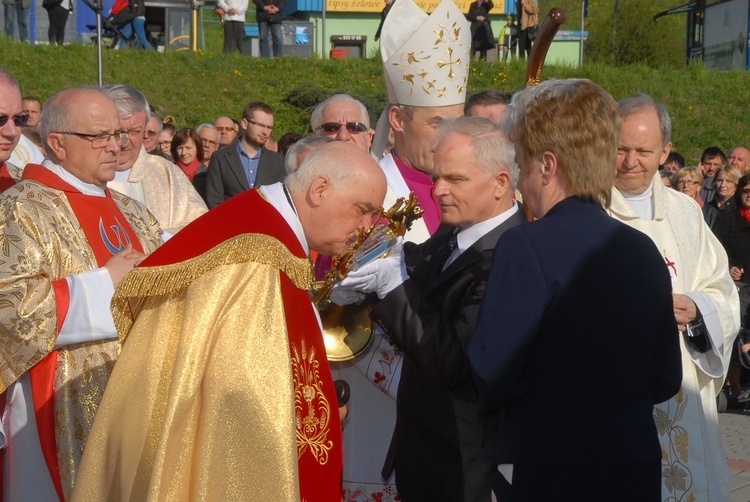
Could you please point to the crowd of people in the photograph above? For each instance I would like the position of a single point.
(159, 341)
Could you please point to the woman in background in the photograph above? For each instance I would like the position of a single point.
(482, 38)
(187, 152)
(57, 12)
(725, 185)
(689, 181)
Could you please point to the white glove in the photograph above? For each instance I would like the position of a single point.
(380, 276)
(342, 297)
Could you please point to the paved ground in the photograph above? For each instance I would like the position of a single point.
(735, 431)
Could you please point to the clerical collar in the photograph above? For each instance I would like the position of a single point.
(642, 203)
(277, 196)
(81, 186)
(122, 175)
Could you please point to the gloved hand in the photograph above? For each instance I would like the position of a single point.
(342, 297)
(380, 276)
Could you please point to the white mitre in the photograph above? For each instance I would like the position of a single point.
(426, 58)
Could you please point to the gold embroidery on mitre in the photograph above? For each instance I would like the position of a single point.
(442, 64)
(312, 410)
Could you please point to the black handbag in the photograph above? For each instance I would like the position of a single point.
(532, 31)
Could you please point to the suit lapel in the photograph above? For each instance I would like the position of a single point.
(235, 165)
(477, 251)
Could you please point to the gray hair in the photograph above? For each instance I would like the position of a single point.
(57, 110)
(493, 151)
(317, 115)
(642, 102)
(205, 126)
(328, 162)
(6, 76)
(303, 147)
(128, 100)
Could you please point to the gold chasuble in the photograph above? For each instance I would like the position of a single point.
(222, 390)
(49, 230)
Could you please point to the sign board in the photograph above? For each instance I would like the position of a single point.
(377, 5)
(725, 35)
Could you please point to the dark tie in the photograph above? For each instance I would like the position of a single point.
(452, 245)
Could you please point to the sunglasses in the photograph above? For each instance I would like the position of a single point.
(335, 127)
(18, 120)
(225, 128)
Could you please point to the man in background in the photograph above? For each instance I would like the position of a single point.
(343, 118)
(33, 108)
(227, 130)
(706, 305)
(210, 140)
(488, 104)
(150, 179)
(245, 163)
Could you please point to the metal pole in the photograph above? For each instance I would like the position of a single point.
(99, 39)
(323, 42)
(580, 53)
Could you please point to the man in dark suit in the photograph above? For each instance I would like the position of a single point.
(245, 163)
(577, 339)
(443, 446)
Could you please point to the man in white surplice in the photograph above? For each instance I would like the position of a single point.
(421, 94)
(706, 304)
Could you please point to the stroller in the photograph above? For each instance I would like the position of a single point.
(122, 13)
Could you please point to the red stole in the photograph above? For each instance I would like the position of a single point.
(107, 232)
(6, 180)
(319, 477)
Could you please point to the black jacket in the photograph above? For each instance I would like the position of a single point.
(226, 177)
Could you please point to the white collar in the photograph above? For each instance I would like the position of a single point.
(122, 175)
(468, 236)
(642, 203)
(69, 178)
(280, 199)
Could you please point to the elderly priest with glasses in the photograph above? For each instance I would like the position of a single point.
(67, 243)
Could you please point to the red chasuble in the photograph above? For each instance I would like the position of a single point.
(107, 232)
(6, 180)
(249, 213)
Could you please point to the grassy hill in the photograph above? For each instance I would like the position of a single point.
(708, 108)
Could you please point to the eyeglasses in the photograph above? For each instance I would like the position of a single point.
(100, 140)
(746, 191)
(210, 142)
(262, 126)
(335, 127)
(18, 120)
(683, 183)
(162, 144)
(225, 128)
(150, 133)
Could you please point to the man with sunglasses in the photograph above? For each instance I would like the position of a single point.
(12, 119)
(151, 135)
(227, 130)
(151, 179)
(343, 118)
(68, 241)
(246, 163)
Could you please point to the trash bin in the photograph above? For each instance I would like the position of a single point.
(298, 37)
(348, 46)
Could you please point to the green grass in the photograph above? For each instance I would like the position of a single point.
(708, 108)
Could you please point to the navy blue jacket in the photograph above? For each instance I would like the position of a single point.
(576, 340)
